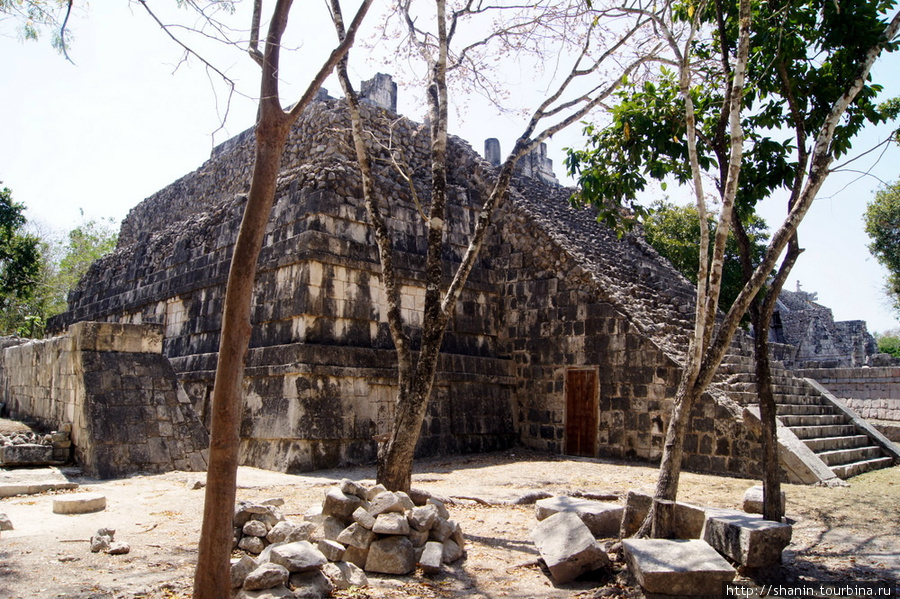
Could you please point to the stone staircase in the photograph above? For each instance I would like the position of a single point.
(843, 441)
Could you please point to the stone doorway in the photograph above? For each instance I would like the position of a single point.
(582, 411)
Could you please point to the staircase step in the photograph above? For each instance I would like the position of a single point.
(814, 420)
(818, 432)
(802, 409)
(838, 457)
(795, 399)
(832, 443)
(848, 470)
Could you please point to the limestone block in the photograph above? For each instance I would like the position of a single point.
(362, 517)
(118, 548)
(255, 528)
(432, 558)
(356, 536)
(439, 505)
(391, 523)
(240, 568)
(442, 530)
(637, 506)
(79, 503)
(422, 518)
(747, 539)
(311, 585)
(332, 550)
(266, 576)
(391, 555)
(689, 521)
(340, 505)
(567, 546)
(753, 500)
(5, 523)
(452, 551)
(375, 491)
(385, 502)
(349, 487)
(405, 500)
(281, 592)
(252, 544)
(356, 556)
(684, 567)
(344, 575)
(602, 519)
(290, 532)
(330, 528)
(418, 537)
(298, 557)
(26, 454)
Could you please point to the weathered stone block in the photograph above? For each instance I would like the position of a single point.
(677, 567)
(240, 568)
(339, 504)
(311, 585)
(26, 454)
(344, 575)
(266, 576)
(753, 500)
(747, 539)
(567, 546)
(298, 557)
(431, 560)
(391, 523)
(391, 555)
(602, 519)
(79, 503)
(357, 536)
(332, 550)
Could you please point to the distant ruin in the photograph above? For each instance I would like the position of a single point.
(566, 339)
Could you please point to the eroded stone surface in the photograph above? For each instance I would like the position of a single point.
(747, 538)
(677, 567)
(602, 519)
(567, 546)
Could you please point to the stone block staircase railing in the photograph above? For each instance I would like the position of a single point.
(820, 438)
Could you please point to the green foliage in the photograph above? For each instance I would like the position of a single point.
(674, 231)
(803, 53)
(889, 342)
(34, 16)
(20, 263)
(37, 272)
(882, 220)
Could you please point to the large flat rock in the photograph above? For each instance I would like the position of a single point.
(568, 547)
(677, 567)
(747, 538)
(602, 519)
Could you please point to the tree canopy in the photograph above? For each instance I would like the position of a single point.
(674, 232)
(20, 264)
(882, 220)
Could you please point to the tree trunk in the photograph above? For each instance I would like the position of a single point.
(212, 574)
(212, 577)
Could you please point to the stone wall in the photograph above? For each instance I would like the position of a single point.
(552, 291)
(873, 393)
(117, 391)
(555, 323)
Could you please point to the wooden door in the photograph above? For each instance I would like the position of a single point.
(582, 412)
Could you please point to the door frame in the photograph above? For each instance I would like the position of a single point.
(595, 400)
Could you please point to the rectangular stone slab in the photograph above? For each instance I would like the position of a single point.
(677, 567)
(747, 538)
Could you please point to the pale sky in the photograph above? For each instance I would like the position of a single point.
(122, 123)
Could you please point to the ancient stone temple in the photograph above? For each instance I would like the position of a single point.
(566, 338)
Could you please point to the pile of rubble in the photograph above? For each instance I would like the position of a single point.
(357, 529)
(696, 559)
(28, 448)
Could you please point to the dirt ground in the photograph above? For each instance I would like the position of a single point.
(848, 533)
